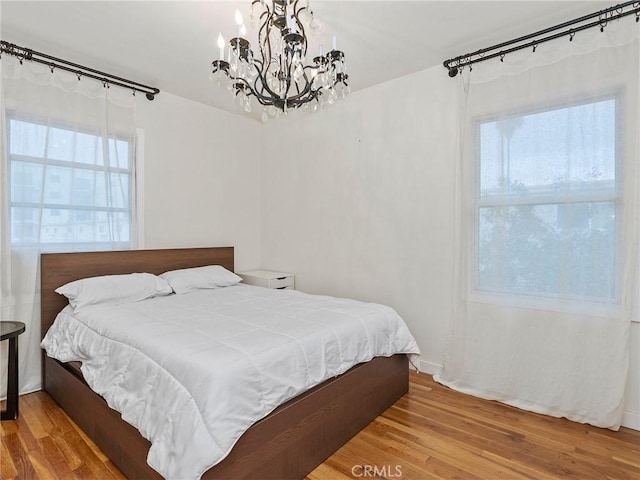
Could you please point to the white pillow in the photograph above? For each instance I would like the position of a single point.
(188, 279)
(114, 289)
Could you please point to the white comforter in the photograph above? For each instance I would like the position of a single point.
(193, 372)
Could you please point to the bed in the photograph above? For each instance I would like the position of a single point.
(288, 443)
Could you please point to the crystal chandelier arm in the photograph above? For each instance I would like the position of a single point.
(296, 14)
(288, 81)
(265, 100)
(305, 91)
(264, 33)
(263, 83)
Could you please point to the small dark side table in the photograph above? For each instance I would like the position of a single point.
(10, 331)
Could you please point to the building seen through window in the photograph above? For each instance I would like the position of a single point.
(68, 187)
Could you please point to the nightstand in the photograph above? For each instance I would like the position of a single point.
(269, 279)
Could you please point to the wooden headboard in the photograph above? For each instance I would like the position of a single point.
(56, 269)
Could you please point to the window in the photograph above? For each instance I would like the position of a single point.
(67, 187)
(547, 203)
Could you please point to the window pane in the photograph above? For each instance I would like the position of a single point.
(558, 150)
(27, 138)
(557, 250)
(69, 226)
(53, 204)
(76, 186)
(60, 145)
(26, 182)
(24, 225)
(58, 185)
(119, 186)
(88, 149)
(118, 153)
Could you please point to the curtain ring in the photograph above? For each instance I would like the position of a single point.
(571, 35)
(79, 74)
(51, 67)
(603, 23)
(502, 57)
(535, 45)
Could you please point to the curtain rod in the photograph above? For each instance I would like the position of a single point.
(457, 64)
(23, 53)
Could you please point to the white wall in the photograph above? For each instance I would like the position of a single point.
(201, 177)
(358, 201)
(361, 205)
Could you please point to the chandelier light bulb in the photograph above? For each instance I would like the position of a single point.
(293, 26)
(238, 17)
(221, 45)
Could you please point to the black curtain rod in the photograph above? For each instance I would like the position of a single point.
(457, 64)
(23, 53)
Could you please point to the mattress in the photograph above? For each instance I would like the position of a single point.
(193, 372)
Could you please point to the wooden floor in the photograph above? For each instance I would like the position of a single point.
(432, 432)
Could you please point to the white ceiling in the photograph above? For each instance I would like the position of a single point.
(170, 44)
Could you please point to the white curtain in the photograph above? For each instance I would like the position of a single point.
(67, 177)
(548, 221)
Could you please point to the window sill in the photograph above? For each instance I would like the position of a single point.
(575, 307)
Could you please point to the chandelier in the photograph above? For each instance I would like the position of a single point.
(277, 76)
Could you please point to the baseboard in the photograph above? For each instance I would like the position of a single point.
(629, 419)
(430, 368)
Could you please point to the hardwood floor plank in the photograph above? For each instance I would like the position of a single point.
(30, 412)
(29, 442)
(84, 448)
(20, 458)
(448, 430)
(7, 468)
(70, 455)
(431, 433)
(39, 462)
(458, 454)
(325, 472)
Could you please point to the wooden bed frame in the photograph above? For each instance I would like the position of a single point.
(287, 444)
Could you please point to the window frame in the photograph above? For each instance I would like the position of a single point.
(12, 115)
(548, 301)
